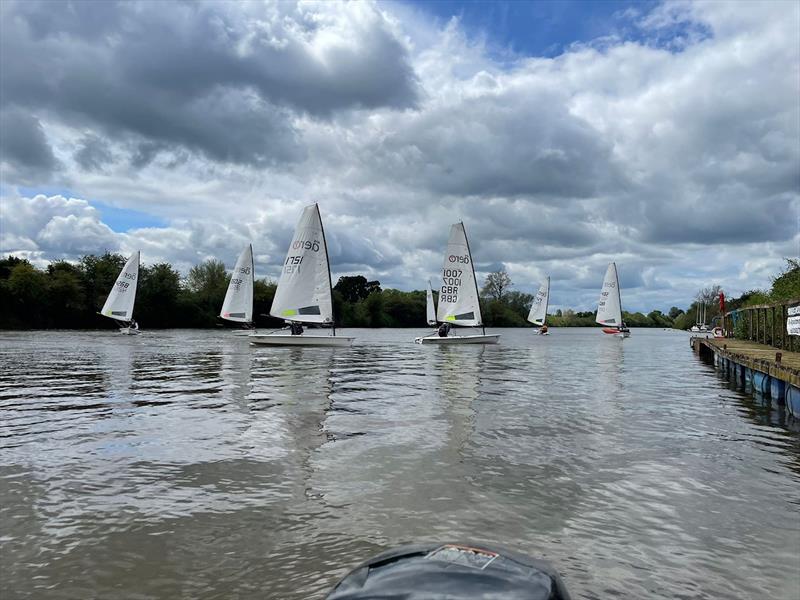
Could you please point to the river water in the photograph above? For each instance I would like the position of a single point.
(186, 464)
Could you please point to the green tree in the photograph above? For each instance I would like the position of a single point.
(263, 295)
(355, 288)
(208, 279)
(496, 284)
(66, 296)
(26, 287)
(207, 284)
(99, 274)
(157, 296)
(786, 286)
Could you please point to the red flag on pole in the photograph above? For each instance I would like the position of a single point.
(722, 303)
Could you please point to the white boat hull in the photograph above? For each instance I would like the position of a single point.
(128, 331)
(459, 339)
(285, 339)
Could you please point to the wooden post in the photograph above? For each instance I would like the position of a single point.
(783, 327)
(755, 325)
(774, 339)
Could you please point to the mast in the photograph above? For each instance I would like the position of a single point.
(547, 302)
(328, 261)
(619, 297)
(252, 287)
(474, 279)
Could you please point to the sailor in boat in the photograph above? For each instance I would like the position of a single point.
(444, 329)
(295, 328)
(543, 329)
(134, 325)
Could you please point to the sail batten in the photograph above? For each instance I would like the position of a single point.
(458, 296)
(609, 307)
(538, 312)
(122, 297)
(238, 303)
(304, 288)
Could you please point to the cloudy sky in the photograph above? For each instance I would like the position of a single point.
(564, 134)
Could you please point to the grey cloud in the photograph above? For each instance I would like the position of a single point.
(731, 214)
(512, 144)
(222, 79)
(24, 146)
(94, 152)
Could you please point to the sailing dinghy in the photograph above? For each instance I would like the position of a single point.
(304, 293)
(458, 296)
(538, 312)
(120, 301)
(238, 303)
(609, 307)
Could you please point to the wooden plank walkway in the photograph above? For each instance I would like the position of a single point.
(754, 356)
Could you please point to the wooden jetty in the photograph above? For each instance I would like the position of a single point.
(771, 372)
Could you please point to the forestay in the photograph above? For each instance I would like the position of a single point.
(238, 304)
(538, 312)
(304, 287)
(119, 304)
(430, 306)
(609, 308)
(458, 296)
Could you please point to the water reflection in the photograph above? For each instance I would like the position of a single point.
(187, 464)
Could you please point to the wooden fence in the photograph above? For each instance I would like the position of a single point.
(766, 324)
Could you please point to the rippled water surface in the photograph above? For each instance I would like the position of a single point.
(186, 464)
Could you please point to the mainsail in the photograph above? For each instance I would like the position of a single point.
(238, 303)
(538, 312)
(458, 296)
(609, 308)
(304, 288)
(431, 309)
(119, 304)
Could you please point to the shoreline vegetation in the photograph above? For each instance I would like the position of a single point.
(68, 295)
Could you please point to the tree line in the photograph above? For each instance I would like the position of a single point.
(784, 286)
(69, 295)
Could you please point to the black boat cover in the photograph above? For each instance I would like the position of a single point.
(451, 571)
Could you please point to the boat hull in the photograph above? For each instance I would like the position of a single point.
(128, 331)
(459, 339)
(284, 339)
(616, 332)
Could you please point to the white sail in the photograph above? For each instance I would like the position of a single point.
(304, 287)
(609, 308)
(119, 304)
(538, 312)
(458, 296)
(431, 309)
(238, 303)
